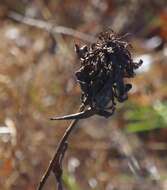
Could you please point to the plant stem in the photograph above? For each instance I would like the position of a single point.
(55, 163)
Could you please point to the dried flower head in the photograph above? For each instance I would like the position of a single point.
(104, 66)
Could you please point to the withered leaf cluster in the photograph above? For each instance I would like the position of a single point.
(104, 66)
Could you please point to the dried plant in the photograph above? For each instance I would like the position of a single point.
(104, 66)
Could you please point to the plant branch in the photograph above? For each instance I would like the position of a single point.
(50, 27)
(56, 163)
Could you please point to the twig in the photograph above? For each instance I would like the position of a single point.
(50, 27)
(56, 162)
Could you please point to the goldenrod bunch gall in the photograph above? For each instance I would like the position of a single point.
(104, 66)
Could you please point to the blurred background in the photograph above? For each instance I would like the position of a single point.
(37, 81)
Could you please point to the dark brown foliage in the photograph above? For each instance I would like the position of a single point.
(104, 65)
